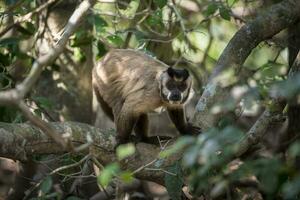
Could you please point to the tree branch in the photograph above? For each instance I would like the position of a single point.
(21, 141)
(266, 25)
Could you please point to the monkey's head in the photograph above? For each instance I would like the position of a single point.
(175, 86)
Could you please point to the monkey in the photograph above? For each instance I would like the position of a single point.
(128, 84)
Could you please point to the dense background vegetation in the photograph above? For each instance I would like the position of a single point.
(243, 55)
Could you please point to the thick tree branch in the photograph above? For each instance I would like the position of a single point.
(21, 141)
(266, 25)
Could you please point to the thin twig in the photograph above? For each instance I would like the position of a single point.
(87, 157)
(165, 171)
(144, 166)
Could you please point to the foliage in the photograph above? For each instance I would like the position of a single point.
(191, 34)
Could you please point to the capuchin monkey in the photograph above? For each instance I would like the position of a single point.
(129, 84)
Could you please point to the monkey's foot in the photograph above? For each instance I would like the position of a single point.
(190, 129)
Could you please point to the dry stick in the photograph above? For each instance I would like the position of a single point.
(26, 17)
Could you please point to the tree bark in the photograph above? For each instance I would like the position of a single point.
(21, 141)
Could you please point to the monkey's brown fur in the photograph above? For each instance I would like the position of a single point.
(126, 83)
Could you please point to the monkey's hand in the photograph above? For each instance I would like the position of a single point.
(190, 129)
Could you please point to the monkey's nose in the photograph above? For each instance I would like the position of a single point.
(175, 97)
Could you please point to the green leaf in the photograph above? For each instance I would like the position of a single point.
(125, 150)
(126, 177)
(101, 50)
(155, 19)
(294, 149)
(160, 3)
(82, 37)
(9, 41)
(10, 2)
(180, 144)
(115, 40)
(99, 23)
(5, 59)
(46, 185)
(231, 2)
(292, 188)
(27, 30)
(211, 9)
(191, 156)
(79, 55)
(44, 102)
(108, 173)
(174, 181)
(225, 13)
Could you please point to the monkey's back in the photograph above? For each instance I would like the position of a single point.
(129, 76)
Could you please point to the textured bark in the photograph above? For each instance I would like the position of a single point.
(21, 141)
(266, 25)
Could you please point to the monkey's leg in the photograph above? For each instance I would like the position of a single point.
(125, 123)
(141, 127)
(105, 107)
(177, 116)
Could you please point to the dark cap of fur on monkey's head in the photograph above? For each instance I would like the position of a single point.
(178, 74)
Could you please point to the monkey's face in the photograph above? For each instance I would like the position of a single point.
(175, 86)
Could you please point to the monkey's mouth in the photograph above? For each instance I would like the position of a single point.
(175, 102)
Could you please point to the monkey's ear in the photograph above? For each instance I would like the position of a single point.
(171, 72)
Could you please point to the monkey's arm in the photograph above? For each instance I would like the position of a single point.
(177, 116)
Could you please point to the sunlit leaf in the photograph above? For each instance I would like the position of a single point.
(126, 177)
(115, 40)
(125, 150)
(79, 55)
(107, 174)
(231, 2)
